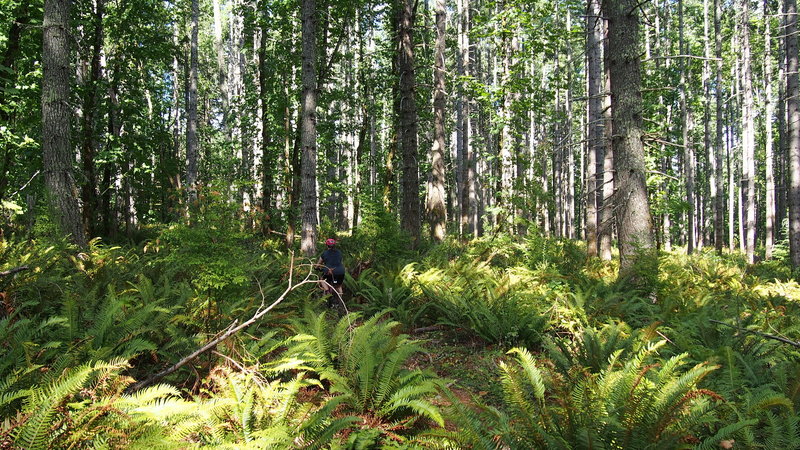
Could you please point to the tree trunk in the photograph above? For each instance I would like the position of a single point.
(688, 156)
(191, 110)
(719, 204)
(56, 115)
(748, 137)
(407, 119)
(221, 65)
(607, 215)
(594, 55)
(711, 170)
(781, 159)
(268, 156)
(793, 133)
(435, 204)
(468, 170)
(633, 210)
(90, 143)
(308, 130)
(21, 18)
(769, 238)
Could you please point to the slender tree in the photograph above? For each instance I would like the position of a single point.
(308, 128)
(90, 141)
(688, 155)
(192, 153)
(594, 58)
(793, 125)
(769, 112)
(719, 205)
(56, 114)
(21, 18)
(435, 204)
(748, 137)
(467, 189)
(407, 118)
(607, 215)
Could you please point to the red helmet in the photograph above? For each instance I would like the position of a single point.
(330, 242)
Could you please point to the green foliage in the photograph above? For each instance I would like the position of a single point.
(303, 379)
(364, 365)
(639, 401)
(497, 306)
(378, 237)
(388, 291)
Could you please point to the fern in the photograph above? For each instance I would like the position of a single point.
(41, 417)
(365, 365)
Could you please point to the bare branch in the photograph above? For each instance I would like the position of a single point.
(232, 329)
(768, 336)
(13, 271)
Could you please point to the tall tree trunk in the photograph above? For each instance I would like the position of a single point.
(769, 111)
(56, 114)
(748, 137)
(191, 110)
(221, 64)
(468, 170)
(730, 164)
(308, 133)
(783, 144)
(633, 210)
(711, 170)
(268, 156)
(505, 142)
(594, 55)
(688, 156)
(569, 175)
(719, 204)
(793, 134)
(21, 18)
(607, 215)
(90, 143)
(435, 204)
(407, 119)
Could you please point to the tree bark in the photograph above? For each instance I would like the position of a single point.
(468, 169)
(56, 115)
(633, 210)
(308, 133)
(769, 238)
(21, 18)
(594, 55)
(688, 155)
(719, 204)
(748, 137)
(268, 156)
(191, 110)
(711, 170)
(793, 133)
(607, 215)
(89, 144)
(435, 204)
(407, 119)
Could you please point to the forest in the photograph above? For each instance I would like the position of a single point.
(565, 224)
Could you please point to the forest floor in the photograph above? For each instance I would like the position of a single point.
(468, 363)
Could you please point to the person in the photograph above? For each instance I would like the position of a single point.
(332, 272)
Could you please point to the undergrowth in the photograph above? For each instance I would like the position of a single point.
(529, 345)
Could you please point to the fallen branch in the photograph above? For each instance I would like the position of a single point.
(427, 329)
(768, 336)
(232, 329)
(13, 271)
